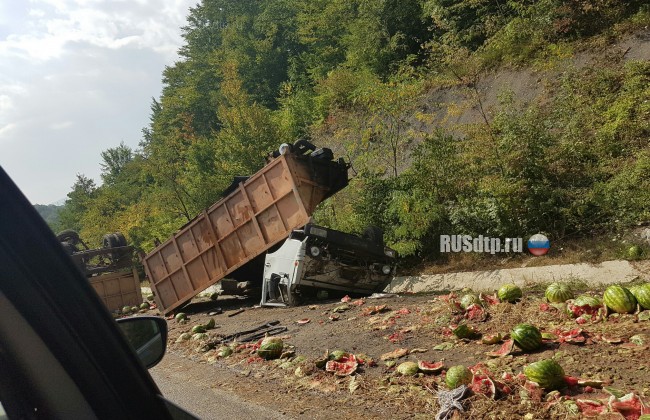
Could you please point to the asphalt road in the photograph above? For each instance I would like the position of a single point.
(190, 386)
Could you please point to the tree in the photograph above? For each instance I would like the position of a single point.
(113, 162)
(79, 199)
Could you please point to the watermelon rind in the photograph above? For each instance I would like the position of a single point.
(468, 300)
(408, 368)
(547, 373)
(619, 299)
(527, 337)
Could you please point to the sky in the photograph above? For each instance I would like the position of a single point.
(77, 77)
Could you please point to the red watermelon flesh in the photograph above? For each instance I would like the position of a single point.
(475, 312)
(506, 348)
(344, 367)
(482, 384)
(590, 407)
(428, 367)
(629, 406)
(489, 299)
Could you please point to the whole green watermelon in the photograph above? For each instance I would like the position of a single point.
(558, 293)
(527, 337)
(547, 373)
(642, 294)
(270, 348)
(509, 293)
(619, 299)
(457, 376)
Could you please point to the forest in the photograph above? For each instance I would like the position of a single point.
(364, 78)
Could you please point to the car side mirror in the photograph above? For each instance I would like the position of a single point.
(147, 336)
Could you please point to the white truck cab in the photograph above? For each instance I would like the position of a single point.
(318, 258)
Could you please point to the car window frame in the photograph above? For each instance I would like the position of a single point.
(60, 305)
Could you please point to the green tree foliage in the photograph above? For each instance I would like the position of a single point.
(373, 80)
(78, 201)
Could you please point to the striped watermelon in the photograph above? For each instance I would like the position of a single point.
(642, 294)
(468, 300)
(527, 337)
(547, 373)
(457, 376)
(619, 299)
(509, 293)
(270, 348)
(558, 293)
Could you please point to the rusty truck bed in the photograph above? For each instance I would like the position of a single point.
(258, 214)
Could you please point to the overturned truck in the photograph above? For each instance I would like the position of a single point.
(109, 269)
(255, 215)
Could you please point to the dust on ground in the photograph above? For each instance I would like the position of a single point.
(418, 323)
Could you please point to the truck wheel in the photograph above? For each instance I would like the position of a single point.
(113, 240)
(69, 236)
(69, 248)
(374, 234)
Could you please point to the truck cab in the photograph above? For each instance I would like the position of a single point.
(318, 258)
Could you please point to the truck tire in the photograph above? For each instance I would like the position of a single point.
(69, 236)
(113, 240)
(374, 234)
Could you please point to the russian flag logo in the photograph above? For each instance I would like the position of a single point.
(538, 244)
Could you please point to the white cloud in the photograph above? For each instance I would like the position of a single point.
(4, 130)
(77, 77)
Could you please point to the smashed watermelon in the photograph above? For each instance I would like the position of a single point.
(506, 348)
(428, 367)
(345, 366)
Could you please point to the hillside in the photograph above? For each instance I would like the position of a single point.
(457, 116)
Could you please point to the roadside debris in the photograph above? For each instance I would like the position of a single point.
(237, 312)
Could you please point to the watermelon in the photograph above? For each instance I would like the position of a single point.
(506, 348)
(469, 299)
(150, 298)
(464, 331)
(642, 294)
(509, 293)
(210, 324)
(336, 355)
(457, 376)
(224, 351)
(408, 368)
(198, 329)
(558, 293)
(619, 299)
(180, 316)
(634, 252)
(126, 310)
(428, 367)
(492, 338)
(527, 337)
(583, 304)
(270, 348)
(547, 373)
(144, 305)
(344, 367)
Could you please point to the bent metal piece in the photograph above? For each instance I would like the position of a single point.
(254, 334)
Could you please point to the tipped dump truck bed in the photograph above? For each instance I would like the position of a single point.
(259, 213)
